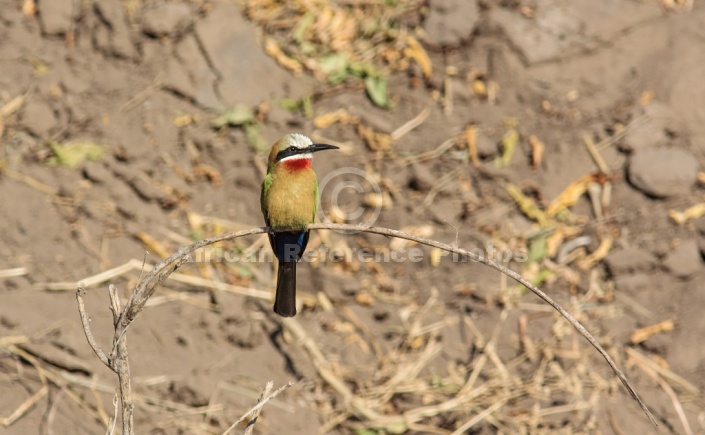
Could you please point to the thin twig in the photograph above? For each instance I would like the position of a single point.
(255, 410)
(411, 124)
(85, 321)
(17, 271)
(255, 414)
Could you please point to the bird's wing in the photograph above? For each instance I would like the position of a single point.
(266, 185)
(317, 200)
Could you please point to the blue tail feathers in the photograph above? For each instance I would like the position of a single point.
(288, 245)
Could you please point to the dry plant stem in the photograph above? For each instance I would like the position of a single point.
(257, 409)
(146, 287)
(255, 414)
(118, 359)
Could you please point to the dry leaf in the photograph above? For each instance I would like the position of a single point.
(479, 88)
(379, 200)
(273, 50)
(416, 52)
(29, 8)
(556, 239)
(692, 212)
(509, 143)
(570, 195)
(643, 334)
(537, 150)
(184, 120)
(436, 256)
(527, 205)
(597, 255)
(327, 119)
(364, 298)
(376, 141)
(153, 245)
(471, 138)
(11, 106)
(208, 172)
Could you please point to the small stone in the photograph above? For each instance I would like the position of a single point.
(684, 261)
(38, 118)
(56, 16)
(663, 171)
(628, 261)
(421, 178)
(166, 19)
(451, 22)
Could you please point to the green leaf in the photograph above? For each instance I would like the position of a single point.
(236, 116)
(508, 146)
(72, 154)
(307, 105)
(335, 67)
(362, 69)
(537, 249)
(298, 34)
(290, 104)
(376, 87)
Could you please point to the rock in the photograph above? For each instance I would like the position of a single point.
(117, 41)
(628, 261)
(632, 283)
(56, 16)
(166, 19)
(421, 178)
(684, 261)
(230, 44)
(187, 73)
(651, 126)
(663, 171)
(451, 22)
(38, 118)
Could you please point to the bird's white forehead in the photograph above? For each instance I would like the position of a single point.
(297, 140)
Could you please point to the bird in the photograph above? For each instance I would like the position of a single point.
(289, 200)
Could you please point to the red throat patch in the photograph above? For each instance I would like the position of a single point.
(297, 164)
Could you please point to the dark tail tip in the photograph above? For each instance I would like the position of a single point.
(285, 299)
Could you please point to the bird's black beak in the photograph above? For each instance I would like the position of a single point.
(320, 147)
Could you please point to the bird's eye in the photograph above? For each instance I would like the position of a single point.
(292, 148)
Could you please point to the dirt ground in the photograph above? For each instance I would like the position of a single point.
(132, 126)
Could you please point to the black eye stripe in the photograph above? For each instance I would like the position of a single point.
(286, 152)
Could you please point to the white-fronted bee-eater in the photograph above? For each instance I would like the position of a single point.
(289, 203)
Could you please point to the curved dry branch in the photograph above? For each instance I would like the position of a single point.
(146, 287)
